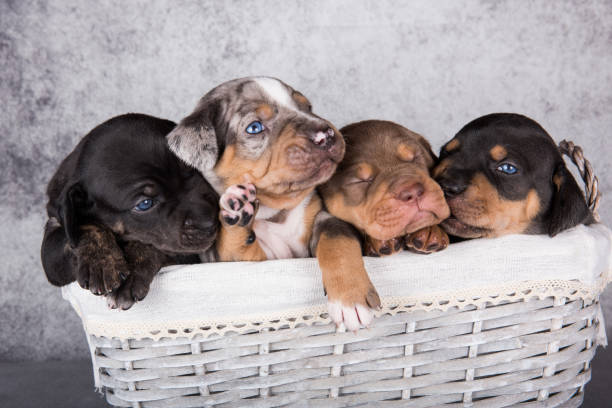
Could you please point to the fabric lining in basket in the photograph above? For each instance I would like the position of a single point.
(512, 321)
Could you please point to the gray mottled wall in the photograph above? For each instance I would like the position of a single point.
(66, 66)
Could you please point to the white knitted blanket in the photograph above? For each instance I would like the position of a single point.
(215, 298)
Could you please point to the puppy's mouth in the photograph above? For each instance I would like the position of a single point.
(318, 175)
(390, 222)
(454, 226)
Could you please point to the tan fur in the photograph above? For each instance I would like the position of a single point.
(265, 111)
(405, 152)
(441, 168)
(232, 246)
(344, 276)
(452, 145)
(498, 152)
(481, 206)
(428, 240)
(310, 212)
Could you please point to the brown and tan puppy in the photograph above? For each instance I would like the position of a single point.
(259, 144)
(384, 189)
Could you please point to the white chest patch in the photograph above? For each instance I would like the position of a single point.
(283, 240)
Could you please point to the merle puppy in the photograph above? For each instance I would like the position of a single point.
(503, 174)
(121, 206)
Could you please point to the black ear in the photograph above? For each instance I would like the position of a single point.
(199, 139)
(72, 200)
(569, 207)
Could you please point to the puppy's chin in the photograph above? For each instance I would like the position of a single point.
(401, 226)
(457, 228)
(183, 249)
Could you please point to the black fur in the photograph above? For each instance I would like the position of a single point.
(95, 233)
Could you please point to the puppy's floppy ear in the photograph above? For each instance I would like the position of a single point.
(431, 159)
(199, 139)
(569, 207)
(72, 199)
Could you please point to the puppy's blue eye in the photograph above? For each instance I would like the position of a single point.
(507, 168)
(255, 128)
(144, 205)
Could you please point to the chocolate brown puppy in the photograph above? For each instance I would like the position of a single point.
(503, 174)
(383, 188)
(259, 143)
(121, 206)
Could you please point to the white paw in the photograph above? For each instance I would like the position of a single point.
(238, 204)
(353, 316)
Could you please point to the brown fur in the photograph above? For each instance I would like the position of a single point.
(383, 160)
(345, 278)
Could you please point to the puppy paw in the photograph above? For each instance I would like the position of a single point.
(355, 309)
(375, 247)
(133, 290)
(101, 266)
(238, 205)
(427, 240)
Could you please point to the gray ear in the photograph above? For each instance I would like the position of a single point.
(199, 139)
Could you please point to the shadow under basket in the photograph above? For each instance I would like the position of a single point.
(512, 321)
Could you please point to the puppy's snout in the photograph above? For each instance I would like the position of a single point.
(410, 192)
(205, 226)
(323, 139)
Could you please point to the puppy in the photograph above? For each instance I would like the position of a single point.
(258, 142)
(121, 206)
(503, 174)
(383, 188)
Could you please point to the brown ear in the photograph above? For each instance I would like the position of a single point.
(568, 207)
(432, 158)
(199, 139)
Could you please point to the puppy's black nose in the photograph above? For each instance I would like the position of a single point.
(451, 188)
(411, 192)
(323, 139)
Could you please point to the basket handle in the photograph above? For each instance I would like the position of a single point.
(591, 183)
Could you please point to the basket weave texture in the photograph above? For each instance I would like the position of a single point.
(532, 353)
(524, 343)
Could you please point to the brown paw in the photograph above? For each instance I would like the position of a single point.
(239, 205)
(375, 247)
(101, 266)
(427, 240)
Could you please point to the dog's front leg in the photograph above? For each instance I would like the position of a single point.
(236, 240)
(144, 261)
(350, 293)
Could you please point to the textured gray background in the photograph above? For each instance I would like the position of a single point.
(65, 67)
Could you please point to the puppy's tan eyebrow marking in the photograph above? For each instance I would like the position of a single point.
(364, 171)
(405, 152)
(452, 145)
(498, 152)
(264, 111)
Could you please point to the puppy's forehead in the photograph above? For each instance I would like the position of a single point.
(276, 92)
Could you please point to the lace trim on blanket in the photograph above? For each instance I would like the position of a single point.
(511, 292)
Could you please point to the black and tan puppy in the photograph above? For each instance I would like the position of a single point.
(121, 206)
(384, 189)
(259, 143)
(503, 174)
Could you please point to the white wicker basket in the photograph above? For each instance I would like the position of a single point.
(505, 322)
(513, 321)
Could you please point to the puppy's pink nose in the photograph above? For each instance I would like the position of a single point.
(411, 192)
(323, 138)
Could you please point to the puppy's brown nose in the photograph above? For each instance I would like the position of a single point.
(323, 139)
(411, 192)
